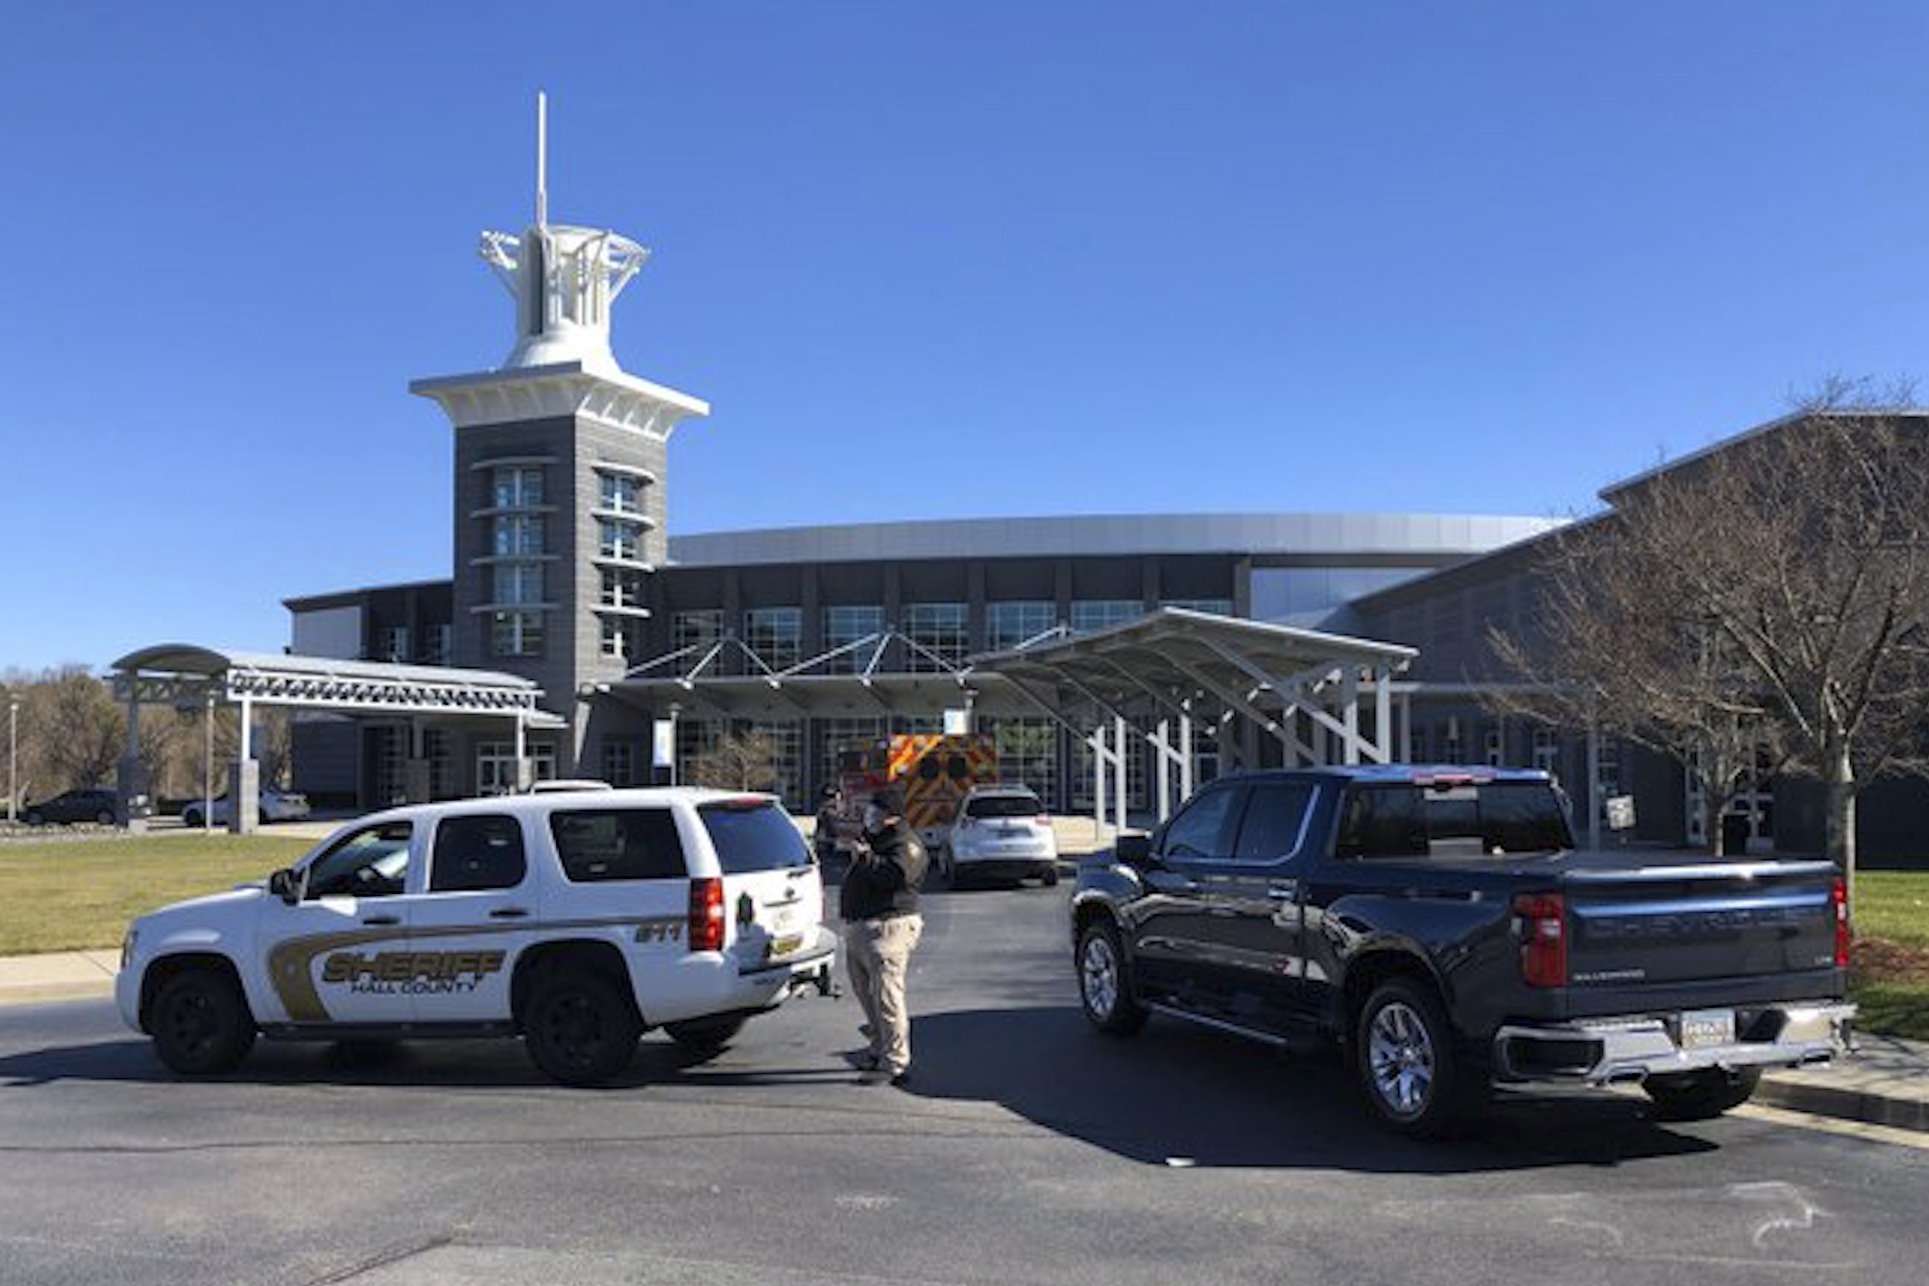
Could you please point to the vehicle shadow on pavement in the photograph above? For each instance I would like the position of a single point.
(1185, 1096)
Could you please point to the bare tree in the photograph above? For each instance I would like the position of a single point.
(1614, 652)
(1787, 574)
(746, 761)
(77, 729)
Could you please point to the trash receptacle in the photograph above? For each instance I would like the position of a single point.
(1734, 832)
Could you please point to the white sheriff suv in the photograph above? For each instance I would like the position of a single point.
(573, 920)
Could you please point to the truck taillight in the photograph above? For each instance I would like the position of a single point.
(1543, 938)
(1844, 931)
(706, 914)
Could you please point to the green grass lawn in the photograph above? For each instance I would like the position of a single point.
(65, 895)
(1893, 906)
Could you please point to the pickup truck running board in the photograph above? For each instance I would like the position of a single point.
(1220, 1024)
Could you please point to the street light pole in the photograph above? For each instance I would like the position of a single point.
(207, 767)
(13, 755)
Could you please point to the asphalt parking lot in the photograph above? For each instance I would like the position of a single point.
(1028, 1149)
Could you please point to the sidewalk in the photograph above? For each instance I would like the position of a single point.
(1886, 1082)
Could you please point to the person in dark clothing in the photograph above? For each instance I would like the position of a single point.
(879, 906)
(824, 835)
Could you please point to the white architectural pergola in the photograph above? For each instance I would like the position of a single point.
(188, 674)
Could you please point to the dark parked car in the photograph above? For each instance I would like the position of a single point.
(1438, 924)
(73, 806)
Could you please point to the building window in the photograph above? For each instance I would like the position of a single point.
(622, 636)
(1451, 751)
(786, 758)
(775, 634)
(520, 584)
(517, 633)
(438, 644)
(518, 536)
(518, 487)
(616, 538)
(622, 587)
(619, 763)
(1103, 613)
(938, 635)
(619, 493)
(695, 629)
(845, 625)
(1007, 625)
(496, 765)
(839, 738)
(392, 644)
(1496, 746)
(1547, 750)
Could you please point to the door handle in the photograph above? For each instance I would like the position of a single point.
(508, 913)
(381, 919)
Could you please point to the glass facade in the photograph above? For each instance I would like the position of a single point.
(939, 634)
(1027, 754)
(516, 633)
(517, 536)
(620, 637)
(517, 487)
(846, 624)
(622, 587)
(1009, 624)
(775, 634)
(518, 584)
(616, 538)
(698, 628)
(1102, 613)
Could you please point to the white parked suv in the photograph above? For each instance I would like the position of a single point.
(1000, 832)
(575, 921)
(276, 806)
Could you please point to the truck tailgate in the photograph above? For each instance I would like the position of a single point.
(1698, 922)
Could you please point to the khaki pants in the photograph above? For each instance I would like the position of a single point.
(877, 953)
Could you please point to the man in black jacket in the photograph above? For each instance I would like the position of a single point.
(879, 907)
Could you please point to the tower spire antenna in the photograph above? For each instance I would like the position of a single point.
(542, 159)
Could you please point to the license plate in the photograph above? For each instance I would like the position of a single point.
(783, 920)
(784, 946)
(1702, 1028)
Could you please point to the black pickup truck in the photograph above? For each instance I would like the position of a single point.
(1438, 923)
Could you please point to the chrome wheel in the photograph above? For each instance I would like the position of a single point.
(1098, 977)
(1401, 1059)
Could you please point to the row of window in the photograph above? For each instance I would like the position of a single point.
(519, 542)
(940, 633)
(394, 643)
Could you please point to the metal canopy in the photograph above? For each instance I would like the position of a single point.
(178, 671)
(1177, 668)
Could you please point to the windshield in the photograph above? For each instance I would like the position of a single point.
(753, 835)
(1003, 806)
(1456, 819)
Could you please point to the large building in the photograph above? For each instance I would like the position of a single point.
(827, 638)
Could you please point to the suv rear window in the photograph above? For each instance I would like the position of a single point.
(1003, 806)
(1456, 819)
(753, 835)
(598, 844)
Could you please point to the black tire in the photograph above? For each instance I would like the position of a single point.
(580, 1028)
(35, 818)
(1105, 982)
(1050, 877)
(191, 817)
(705, 1035)
(1701, 1096)
(104, 818)
(200, 1023)
(1403, 1047)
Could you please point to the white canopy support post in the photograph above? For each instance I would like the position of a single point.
(1185, 755)
(523, 774)
(247, 728)
(1118, 772)
(1383, 738)
(1350, 715)
(1161, 744)
(1406, 727)
(1097, 742)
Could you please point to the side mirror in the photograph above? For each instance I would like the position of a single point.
(286, 885)
(1133, 848)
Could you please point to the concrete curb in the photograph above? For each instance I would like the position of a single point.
(1845, 1103)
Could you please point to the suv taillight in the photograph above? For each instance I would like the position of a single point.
(1543, 938)
(706, 914)
(1844, 931)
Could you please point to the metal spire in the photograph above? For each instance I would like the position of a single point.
(542, 159)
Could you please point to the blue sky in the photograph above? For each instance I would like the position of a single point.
(926, 259)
